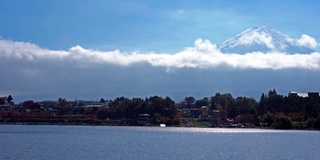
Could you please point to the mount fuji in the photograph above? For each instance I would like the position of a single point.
(263, 39)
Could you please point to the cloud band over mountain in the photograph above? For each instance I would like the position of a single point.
(203, 55)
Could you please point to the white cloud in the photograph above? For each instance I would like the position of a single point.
(203, 55)
(28, 51)
(307, 41)
(256, 37)
(258, 60)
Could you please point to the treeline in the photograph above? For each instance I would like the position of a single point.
(161, 110)
(290, 111)
(221, 110)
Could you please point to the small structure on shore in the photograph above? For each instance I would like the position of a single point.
(143, 119)
(162, 125)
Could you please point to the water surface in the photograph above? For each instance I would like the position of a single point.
(106, 142)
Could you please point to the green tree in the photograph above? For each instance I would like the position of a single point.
(156, 119)
(317, 123)
(276, 103)
(169, 102)
(9, 99)
(189, 101)
(64, 107)
(283, 122)
(246, 105)
(132, 109)
(30, 104)
(102, 100)
(103, 113)
(221, 99)
(262, 109)
(3, 100)
(119, 102)
(202, 102)
(62, 102)
(268, 118)
(272, 93)
(233, 110)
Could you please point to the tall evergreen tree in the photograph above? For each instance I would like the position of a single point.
(9, 99)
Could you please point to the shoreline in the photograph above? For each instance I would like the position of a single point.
(157, 126)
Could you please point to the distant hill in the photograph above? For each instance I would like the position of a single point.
(262, 39)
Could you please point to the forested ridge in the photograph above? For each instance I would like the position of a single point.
(221, 110)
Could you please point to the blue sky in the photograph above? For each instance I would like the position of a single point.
(90, 50)
(161, 26)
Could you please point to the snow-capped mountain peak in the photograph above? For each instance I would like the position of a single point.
(262, 39)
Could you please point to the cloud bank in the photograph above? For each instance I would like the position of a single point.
(307, 41)
(203, 55)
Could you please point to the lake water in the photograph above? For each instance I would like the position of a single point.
(105, 142)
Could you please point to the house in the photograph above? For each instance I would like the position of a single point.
(94, 108)
(195, 112)
(143, 119)
(313, 95)
(204, 110)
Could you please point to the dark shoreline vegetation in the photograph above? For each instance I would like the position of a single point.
(291, 111)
